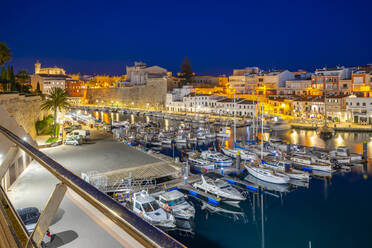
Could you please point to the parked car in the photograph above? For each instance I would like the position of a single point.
(30, 216)
(73, 140)
(85, 134)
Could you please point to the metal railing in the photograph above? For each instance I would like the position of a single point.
(139, 229)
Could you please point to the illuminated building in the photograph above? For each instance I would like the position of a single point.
(330, 78)
(48, 78)
(361, 80)
(359, 109)
(140, 73)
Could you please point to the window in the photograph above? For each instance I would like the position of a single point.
(358, 104)
(364, 104)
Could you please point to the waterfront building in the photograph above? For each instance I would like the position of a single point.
(48, 78)
(330, 78)
(336, 107)
(308, 107)
(295, 87)
(205, 81)
(279, 105)
(361, 80)
(269, 82)
(238, 84)
(359, 109)
(241, 107)
(140, 73)
(73, 87)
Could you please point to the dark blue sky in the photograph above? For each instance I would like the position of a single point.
(217, 36)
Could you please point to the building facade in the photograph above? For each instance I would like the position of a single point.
(48, 78)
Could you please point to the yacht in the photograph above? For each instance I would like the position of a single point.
(244, 155)
(284, 168)
(174, 202)
(312, 162)
(219, 188)
(267, 175)
(217, 158)
(267, 185)
(147, 207)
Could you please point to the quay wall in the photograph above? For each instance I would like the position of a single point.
(149, 96)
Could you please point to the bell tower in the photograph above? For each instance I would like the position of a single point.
(37, 67)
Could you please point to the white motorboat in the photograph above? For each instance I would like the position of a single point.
(174, 202)
(267, 185)
(223, 134)
(244, 155)
(310, 162)
(217, 158)
(343, 155)
(147, 207)
(200, 164)
(267, 175)
(219, 188)
(284, 168)
(180, 139)
(201, 136)
(279, 125)
(166, 141)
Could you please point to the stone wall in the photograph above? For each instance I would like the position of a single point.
(152, 95)
(25, 110)
(17, 114)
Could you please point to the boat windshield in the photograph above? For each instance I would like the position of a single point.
(176, 201)
(150, 206)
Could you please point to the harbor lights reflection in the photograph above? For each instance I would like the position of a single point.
(166, 122)
(132, 118)
(117, 117)
(294, 138)
(339, 141)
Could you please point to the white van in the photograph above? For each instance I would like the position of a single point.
(85, 134)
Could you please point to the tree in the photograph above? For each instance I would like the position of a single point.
(186, 72)
(5, 54)
(54, 101)
(22, 78)
(3, 77)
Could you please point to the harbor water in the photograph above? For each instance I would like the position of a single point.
(330, 211)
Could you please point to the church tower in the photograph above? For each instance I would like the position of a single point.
(37, 67)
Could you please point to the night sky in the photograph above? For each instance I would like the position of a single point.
(104, 36)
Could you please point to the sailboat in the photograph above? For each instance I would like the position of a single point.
(266, 174)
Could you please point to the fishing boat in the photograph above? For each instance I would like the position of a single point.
(279, 125)
(219, 188)
(147, 207)
(244, 155)
(174, 202)
(217, 158)
(267, 175)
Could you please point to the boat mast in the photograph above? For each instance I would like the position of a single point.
(325, 108)
(254, 119)
(234, 120)
(262, 223)
(261, 131)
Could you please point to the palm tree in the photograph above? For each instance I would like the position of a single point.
(55, 100)
(5, 54)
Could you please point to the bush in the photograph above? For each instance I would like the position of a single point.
(44, 126)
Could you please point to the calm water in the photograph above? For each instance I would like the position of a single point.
(333, 211)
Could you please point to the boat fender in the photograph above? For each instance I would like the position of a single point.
(166, 207)
(203, 170)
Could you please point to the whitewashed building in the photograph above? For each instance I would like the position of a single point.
(359, 109)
